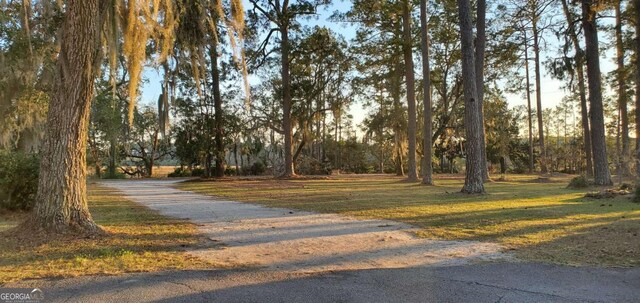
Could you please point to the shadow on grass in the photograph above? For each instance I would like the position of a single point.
(137, 239)
(542, 221)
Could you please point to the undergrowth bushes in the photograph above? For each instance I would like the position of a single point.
(18, 179)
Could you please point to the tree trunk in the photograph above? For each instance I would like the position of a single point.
(152, 158)
(218, 115)
(427, 170)
(98, 170)
(584, 112)
(335, 135)
(112, 157)
(303, 142)
(481, 41)
(324, 138)
(473, 182)
(618, 149)
(286, 103)
(150, 168)
(381, 157)
(397, 114)
(412, 173)
(622, 95)
(529, 111)
(61, 202)
(94, 153)
(316, 140)
(398, 148)
(340, 140)
(235, 155)
(380, 135)
(636, 10)
(536, 51)
(602, 176)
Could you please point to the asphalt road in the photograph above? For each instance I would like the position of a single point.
(494, 282)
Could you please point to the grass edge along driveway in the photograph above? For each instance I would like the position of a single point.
(539, 219)
(138, 239)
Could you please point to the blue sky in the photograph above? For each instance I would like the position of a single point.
(552, 91)
(151, 89)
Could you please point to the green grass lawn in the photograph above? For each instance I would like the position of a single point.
(540, 221)
(138, 239)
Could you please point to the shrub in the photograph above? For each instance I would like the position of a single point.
(311, 166)
(625, 186)
(230, 171)
(256, 169)
(358, 168)
(117, 175)
(578, 182)
(636, 194)
(197, 172)
(179, 172)
(18, 180)
(606, 194)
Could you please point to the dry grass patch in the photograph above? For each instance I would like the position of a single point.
(541, 221)
(138, 239)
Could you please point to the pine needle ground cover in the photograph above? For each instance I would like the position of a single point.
(137, 240)
(537, 218)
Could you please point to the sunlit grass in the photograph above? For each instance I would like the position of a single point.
(138, 239)
(540, 221)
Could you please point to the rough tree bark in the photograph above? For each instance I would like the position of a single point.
(286, 102)
(536, 52)
(481, 41)
(218, 115)
(584, 112)
(407, 50)
(529, 111)
(61, 202)
(473, 182)
(636, 10)
(602, 175)
(397, 114)
(622, 94)
(427, 169)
